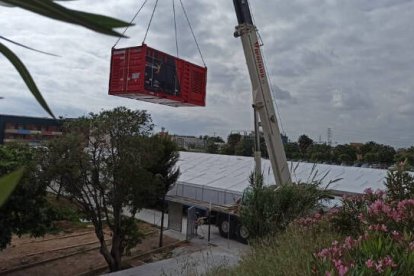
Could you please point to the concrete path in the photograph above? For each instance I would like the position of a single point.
(197, 263)
(154, 217)
(196, 259)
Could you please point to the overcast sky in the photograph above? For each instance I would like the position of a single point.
(344, 65)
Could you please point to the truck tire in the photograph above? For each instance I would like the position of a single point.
(242, 233)
(224, 228)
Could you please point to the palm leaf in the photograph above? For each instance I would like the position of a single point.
(99, 23)
(27, 47)
(27, 78)
(8, 183)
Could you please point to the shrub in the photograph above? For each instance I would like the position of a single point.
(385, 245)
(267, 210)
(376, 253)
(345, 218)
(399, 183)
(26, 211)
(287, 253)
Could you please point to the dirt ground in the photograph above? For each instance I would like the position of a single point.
(74, 252)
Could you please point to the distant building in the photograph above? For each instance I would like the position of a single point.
(189, 142)
(29, 130)
(251, 135)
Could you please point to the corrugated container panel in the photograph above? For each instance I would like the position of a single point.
(146, 74)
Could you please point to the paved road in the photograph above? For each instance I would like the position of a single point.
(192, 260)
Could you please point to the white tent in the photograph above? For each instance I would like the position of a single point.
(221, 179)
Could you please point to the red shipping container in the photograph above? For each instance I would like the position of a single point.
(146, 74)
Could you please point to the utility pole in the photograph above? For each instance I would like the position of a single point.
(329, 134)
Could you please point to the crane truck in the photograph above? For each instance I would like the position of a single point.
(226, 217)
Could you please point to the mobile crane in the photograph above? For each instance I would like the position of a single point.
(226, 217)
(262, 97)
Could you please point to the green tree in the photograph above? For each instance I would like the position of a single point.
(292, 151)
(96, 22)
(406, 156)
(399, 183)
(211, 147)
(245, 146)
(232, 140)
(319, 153)
(304, 143)
(216, 139)
(165, 169)
(345, 154)
(26, 211)
(386, 155)
(370, 157)
(377, 153)
(103, 162)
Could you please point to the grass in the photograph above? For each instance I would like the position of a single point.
(65, 214)
(288, 253)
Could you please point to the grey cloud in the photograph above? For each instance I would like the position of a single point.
(350, 100)
(338, 62)
(381, 4)
(284, 95)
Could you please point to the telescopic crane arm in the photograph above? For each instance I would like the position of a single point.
(262, 96)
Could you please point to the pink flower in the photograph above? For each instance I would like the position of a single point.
(404, 204)
(379, 207)
(362, 218)
(378, 267)
(396, 235)
(370, 263)
(327, 273)
(411, 246)
(395, 215)
(388, 262)
(323, 254)
(378, 227)
(340, 267)
(380, 193)
(349, 242)
(342, 270)
(337, 263)
(368, 191)
(333, 211)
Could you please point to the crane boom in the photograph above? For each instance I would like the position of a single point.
(262, 96)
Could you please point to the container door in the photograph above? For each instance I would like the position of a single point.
(135, 69)
(193, 83)
(198, 85)
(118, 70)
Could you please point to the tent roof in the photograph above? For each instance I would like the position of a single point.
(231, 173)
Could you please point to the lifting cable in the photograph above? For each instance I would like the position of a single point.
(130, 23)
(269, 78)
(175, 28)
(192, 32)
(149, 23)
(274, 97)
